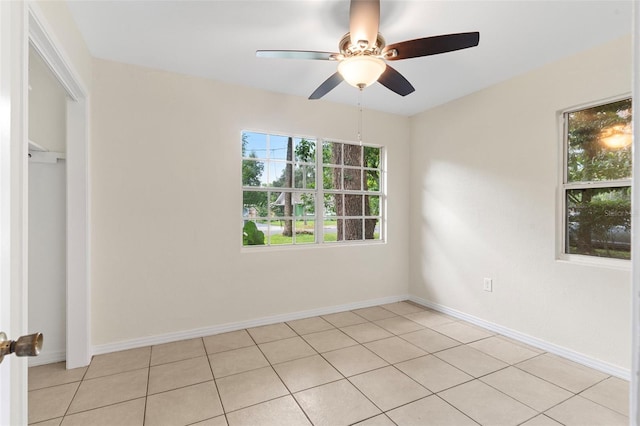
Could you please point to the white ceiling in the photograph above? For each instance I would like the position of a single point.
(218, 40)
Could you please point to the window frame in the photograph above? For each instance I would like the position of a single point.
(319, 192)
(564, 186)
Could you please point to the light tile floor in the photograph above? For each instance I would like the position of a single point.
(392, 364)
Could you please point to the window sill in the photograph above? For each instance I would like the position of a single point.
(600, 262)
(289, 247)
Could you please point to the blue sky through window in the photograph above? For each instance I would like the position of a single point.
(272, 149)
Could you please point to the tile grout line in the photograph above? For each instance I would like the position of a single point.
(539, 377)
(283, 382)
(274, 371)
(538, 412)
(348, 379)
(343, 378)
(215, 384)
(596, 402)
(76, 392)
(456, 408)
(146, 395)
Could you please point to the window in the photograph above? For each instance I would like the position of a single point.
(293, 196)
(597, 181)
(351, 182)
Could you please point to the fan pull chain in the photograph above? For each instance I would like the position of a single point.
(360, 117)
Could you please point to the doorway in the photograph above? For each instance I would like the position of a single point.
(47, 210)
(76, 163)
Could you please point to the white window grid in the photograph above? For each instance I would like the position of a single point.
(319, 191)
(567, 186)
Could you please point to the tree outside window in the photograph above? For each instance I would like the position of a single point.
(286, 202)
(597, 183)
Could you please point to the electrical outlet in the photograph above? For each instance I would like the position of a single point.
(488, 284)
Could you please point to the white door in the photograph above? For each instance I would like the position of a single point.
(13, 160)
(13, 43)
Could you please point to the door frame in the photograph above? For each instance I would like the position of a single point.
(42, 39)
(22, 23)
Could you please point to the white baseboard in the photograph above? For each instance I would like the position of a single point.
(569, 354)
(47, 358)
(223, 328)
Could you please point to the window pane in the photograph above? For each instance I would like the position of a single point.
(278, 174)
(305, 150)
(305, 231)
(599, 222)
(371, 157)
(330, 204)
(599, 143)
(338, 204)
(304, 204)
(372, 205)
(276, 233)
(352, 229)
(371, 231)
(253, 233)
(332, 178)
(352, 179)
(353, 205)
(372, 180)
(280, 147)
(277, 201)
(254, 145)
(252, 172)
(332, 153)
(304, 176)
(352, 155)
(330, 230)
(254, 204)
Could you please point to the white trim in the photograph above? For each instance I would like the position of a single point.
(45, 43)
(601, 262)
(564, 186)
(43, 40)
(569, 354)
(318, 191)
(240, 325)
(634, 394)
(47, 358)
(78, 236)
(595, 103)
(619, 183)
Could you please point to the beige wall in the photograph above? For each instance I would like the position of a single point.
(484, 174)
(166, 203)
(482, 181)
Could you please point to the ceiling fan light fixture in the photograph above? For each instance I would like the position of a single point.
(363, 52)
(361, 71)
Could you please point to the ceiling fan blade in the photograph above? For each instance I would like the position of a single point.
(297, 54)
(431, 45)
(364, 20)
(328, 85)
(394, 81)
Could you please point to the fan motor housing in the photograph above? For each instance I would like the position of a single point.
(348, 49)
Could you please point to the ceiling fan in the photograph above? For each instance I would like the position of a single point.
(364, 54)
